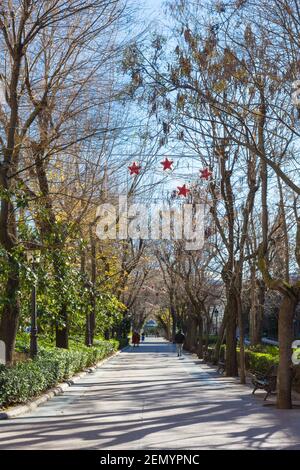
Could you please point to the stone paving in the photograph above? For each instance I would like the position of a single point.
(148, 398)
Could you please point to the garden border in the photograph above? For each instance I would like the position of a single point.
(15, 411)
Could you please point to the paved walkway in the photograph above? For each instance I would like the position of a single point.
(147, 398)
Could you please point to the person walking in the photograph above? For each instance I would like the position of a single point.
(143, 336)
(135, 339)
(138, 339)
(179, 340)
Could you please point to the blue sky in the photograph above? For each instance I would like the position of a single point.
(154, 5)
(152, 10)
(185, 170)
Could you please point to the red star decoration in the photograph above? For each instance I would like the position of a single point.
(167, 164)
(206, 173)
(134, 169)
(183, 190)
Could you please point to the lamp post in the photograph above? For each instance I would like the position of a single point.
(217, 314)
(88, 325)
(33, 258)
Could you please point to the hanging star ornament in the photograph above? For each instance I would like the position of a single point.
(205, 174)
(183, 190)
(167, 164)
(134, 169)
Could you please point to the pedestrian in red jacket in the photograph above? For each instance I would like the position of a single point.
(135, 339)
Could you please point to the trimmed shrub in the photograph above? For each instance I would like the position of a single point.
(255, 361)
(211, 350)
(26, 380)
(265, 348)
(297, 378)
(260, 362)
(119, 343)
(212, 339)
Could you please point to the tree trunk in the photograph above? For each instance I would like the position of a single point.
(208, 324)
(260, 311)
(257, 307)
(8, 227)
(285, 336)
(242, 345)
(88, 334)
(62, 331)
(220, 339)
(174, 321)
(253, 307)
(10, 315)
(193, 335)
(231, 367)
(8, 238)
(93, 278)
(188, 327)
(200, 338)
(50, 231)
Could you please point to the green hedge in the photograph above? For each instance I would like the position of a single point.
(259, 362)
(211, 349)
(212, 339)
(255, 361)
(26, 380)
(119, 343)
(75, 342)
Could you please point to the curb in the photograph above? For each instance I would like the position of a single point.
(18, 410)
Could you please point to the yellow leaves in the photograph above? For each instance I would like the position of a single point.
(219, 86)
(241, 75)
(180, 101)
(215, 111)
(200, 58)
(190, 39)
(185, 66)
(60, 217)
(229, 57)
(174, 76)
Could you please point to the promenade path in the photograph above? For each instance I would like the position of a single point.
(147, 398)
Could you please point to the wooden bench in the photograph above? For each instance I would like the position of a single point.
(221, 366)
(265, 382)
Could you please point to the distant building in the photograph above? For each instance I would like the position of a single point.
(151, 324)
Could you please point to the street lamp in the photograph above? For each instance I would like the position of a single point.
(88, 326)
(33, 258)
(217, 317)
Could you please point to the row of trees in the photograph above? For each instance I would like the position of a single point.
(221, 88)
(64, 129)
